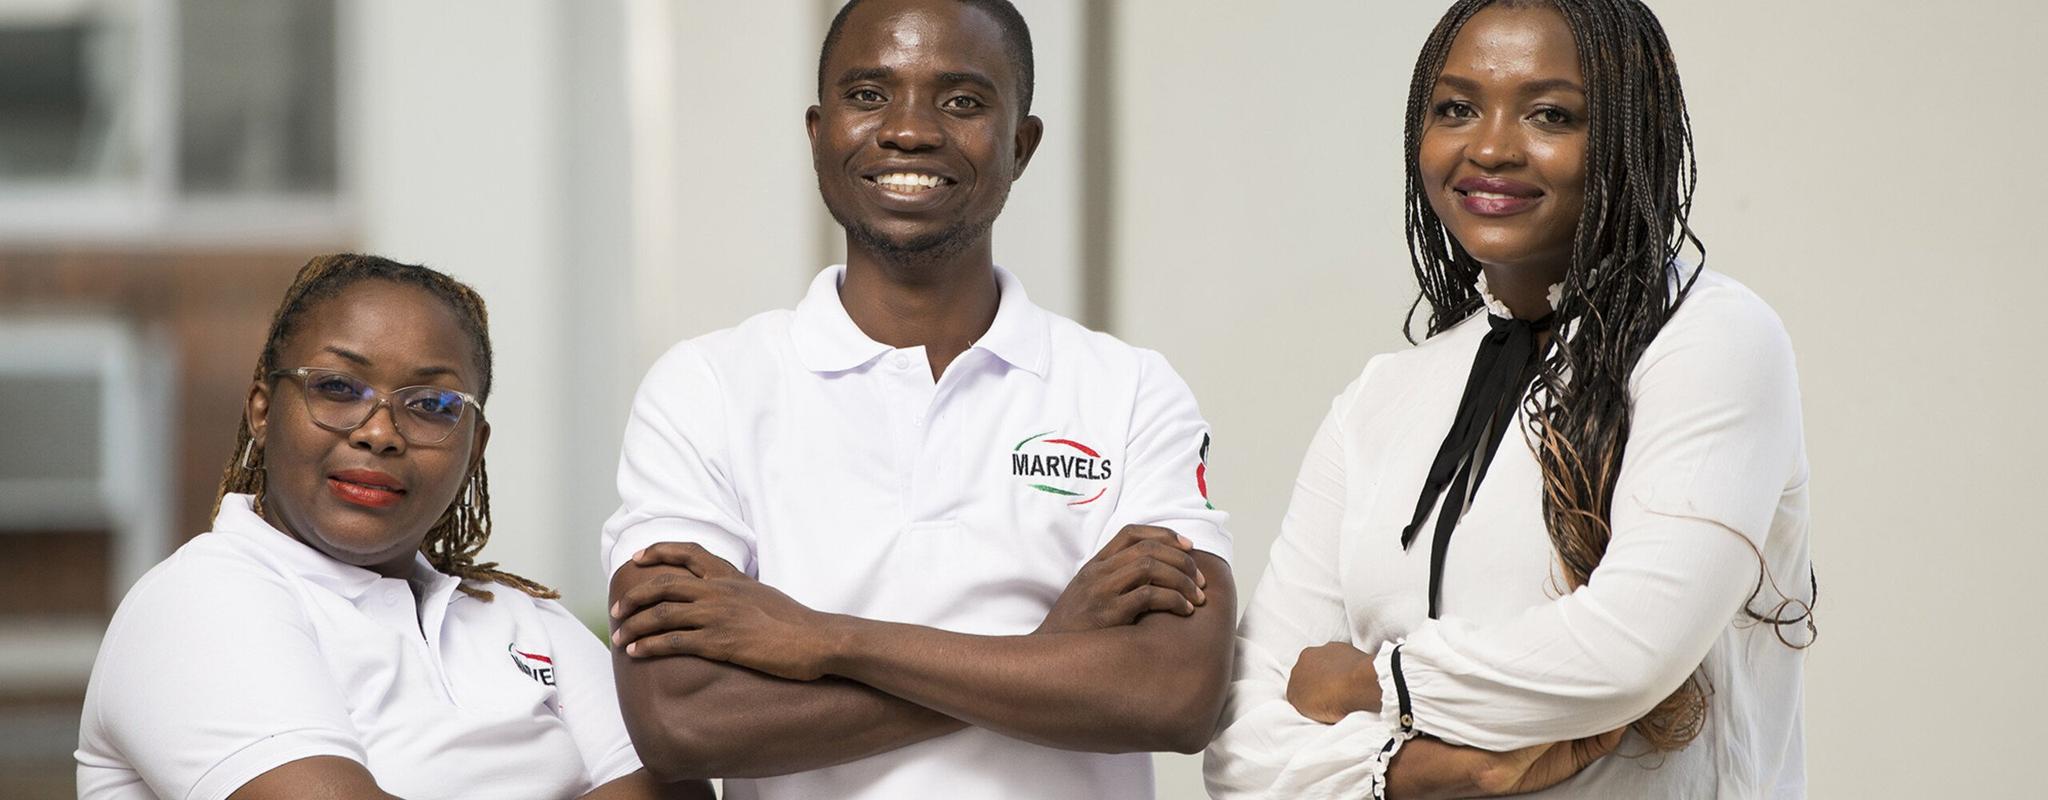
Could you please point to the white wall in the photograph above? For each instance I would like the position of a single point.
(454, 112)
(1866, 168)
(1869, 168)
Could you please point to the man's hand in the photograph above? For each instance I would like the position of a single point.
(1143, 569)
(1332, 680)
(1427, 768)
(711, 610)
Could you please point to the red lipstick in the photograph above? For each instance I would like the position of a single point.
(364, 487)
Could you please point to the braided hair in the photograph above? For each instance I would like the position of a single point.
(1618, 290)
(455, 539)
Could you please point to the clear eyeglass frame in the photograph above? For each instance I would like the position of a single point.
(416, 425)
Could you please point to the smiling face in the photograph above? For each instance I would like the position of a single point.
(1503, 148)
(366, 497)
(919, 132)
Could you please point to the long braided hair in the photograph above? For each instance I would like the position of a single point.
(1618, 291)
(455, 539)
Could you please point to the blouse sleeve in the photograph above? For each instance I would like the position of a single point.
(1266, 748)
(205, 682)
(1715, 443)
(588, 701)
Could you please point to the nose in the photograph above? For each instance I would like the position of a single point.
(1499, 143)
(379, 434)
(910, 127)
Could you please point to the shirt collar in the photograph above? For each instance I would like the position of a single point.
(827, 340)
(239, 520)
(1021, 333)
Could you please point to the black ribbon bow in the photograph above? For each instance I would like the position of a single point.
(1500, 372)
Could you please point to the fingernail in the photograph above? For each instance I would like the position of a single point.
(615, 611)
(633, 649)
(616, 635)
(1201, 579)
(1201, 597)
(638, 553)
(1185, 542)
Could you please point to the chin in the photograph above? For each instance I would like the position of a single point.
(920, 242)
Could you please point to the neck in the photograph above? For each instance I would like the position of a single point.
(397, 566)
(942, 303)
(1524, 290)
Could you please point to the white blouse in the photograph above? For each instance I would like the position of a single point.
(1709, 515)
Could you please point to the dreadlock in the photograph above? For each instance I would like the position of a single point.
(1618, 291)
(455, 539)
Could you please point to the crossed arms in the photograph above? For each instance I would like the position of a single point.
(723, 676)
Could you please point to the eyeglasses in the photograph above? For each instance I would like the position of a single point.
(341, 402)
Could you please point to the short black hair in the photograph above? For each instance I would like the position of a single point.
(1016, 39)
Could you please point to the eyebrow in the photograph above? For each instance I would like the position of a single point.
(1465, 84)
(859, 74)
(975, 78)
(361, 360)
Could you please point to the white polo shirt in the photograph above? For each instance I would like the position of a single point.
(834, 468)
(246, 649)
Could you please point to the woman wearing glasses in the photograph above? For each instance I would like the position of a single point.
(334, 635)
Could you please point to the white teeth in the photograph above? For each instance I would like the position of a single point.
(909, 181)
(1488, 195)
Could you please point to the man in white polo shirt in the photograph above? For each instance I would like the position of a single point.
(903, 540)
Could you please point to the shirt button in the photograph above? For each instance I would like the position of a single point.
(902, 361)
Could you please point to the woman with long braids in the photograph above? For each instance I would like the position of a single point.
(1611, 432)
(334, 635)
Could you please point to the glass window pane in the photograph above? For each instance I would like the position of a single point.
(64, 84)
(49, 427)
(257, 96)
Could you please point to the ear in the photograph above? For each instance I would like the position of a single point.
(811, 117)
(1030, 130)
(257, 410)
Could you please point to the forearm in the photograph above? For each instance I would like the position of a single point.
(692, 718)
(1154, 685)
(642, 785)
(1428, 770)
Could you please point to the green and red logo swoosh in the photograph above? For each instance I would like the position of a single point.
(1076, 465)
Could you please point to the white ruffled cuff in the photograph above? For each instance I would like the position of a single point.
(1376, 767)
(1395, 708)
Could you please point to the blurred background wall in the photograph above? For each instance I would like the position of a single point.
(1220, 181)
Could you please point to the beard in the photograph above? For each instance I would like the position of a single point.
(956, 237)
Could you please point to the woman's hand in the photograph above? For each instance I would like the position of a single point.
(1426, 768)
(711, 610)
(1332, 680)
(1142, 570)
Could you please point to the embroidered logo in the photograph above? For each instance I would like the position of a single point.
(1062, 467)
(536, 666)
(1202, 473)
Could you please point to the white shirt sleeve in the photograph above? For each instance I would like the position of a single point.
(1266, 748)
(586, 697)
(1715, 442)
(206, 680)
(673, 483)
(1165, 468)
